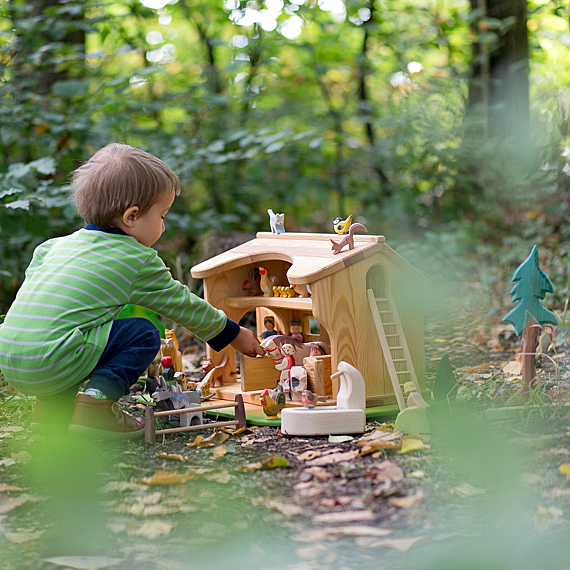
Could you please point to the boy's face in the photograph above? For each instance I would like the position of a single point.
(148, 227)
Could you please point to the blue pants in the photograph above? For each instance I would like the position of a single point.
(132, 345)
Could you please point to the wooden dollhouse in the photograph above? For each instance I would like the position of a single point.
(365, 303)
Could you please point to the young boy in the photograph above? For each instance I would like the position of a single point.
(62, 327)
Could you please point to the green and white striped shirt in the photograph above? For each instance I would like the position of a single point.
(75, 286)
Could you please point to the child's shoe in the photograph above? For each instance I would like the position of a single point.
(103, 419)
(52, 415)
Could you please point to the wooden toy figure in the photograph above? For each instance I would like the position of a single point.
(348, 239)
(251, 285)
(168, 368)
(266, 283)
(341, 226)
(531, 285)
(269, 324)
(296, 330)
(169, 347)
(319, 349)
(272, 405)
(276, 222)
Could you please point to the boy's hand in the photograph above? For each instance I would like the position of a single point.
(246, 343)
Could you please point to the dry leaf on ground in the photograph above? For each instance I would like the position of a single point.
(565, 470)
(166, 478)
(386, 471)
(466, 490)
(5, 488)
(287, 509)
(412, 444)
(22, 537)
(345, 517)
(336, 532)
(149, 529)
(84, 562)
(274, 461)
(335, 458)
(309, 455)
(405, 502)
(174, 456)
(400, 544)
(8, 504)
(218, 476)
(220, 451)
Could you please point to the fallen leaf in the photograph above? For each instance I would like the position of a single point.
(84, 562)
(12, 429)
(21, 457)
(412, 444)
(513, 367)
(386, 471)
(274, 461)
(174, 456)
(400, 544)
(344, 517)
(406, 502)
(309, 455)
(149, 529)
(340, 438)
(215, 439)
(335, 458)
(122, 486)
(8, 504)
(249, 467)
(196, 442)
(7, 462)
(220, 451)
(5, 488)
(336, 532)
(218, 476)
(418, 474)
(479, 367)
(22, 537)
(466, 490)
(287, 509)
(165, 478)
(565, 470)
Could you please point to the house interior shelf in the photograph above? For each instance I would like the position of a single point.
(295, 303)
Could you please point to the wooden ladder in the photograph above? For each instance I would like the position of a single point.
(393, 342)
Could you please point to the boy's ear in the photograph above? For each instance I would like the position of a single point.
(130, 216)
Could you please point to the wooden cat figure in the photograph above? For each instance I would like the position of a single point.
(276, 222)
(169, 347)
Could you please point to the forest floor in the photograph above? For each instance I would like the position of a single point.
(485, 490)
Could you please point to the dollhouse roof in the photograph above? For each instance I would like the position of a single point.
(310, 255)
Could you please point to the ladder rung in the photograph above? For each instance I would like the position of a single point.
(398, 360)
(389, 324)
(386, 311)
(392, 335)
(395, 347)
(402, 372)
(381, 299)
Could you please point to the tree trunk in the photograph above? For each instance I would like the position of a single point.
(530, 344)
(508, 74)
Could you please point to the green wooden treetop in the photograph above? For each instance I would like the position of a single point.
(531, 284)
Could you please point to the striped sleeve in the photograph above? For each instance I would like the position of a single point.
(155, 289)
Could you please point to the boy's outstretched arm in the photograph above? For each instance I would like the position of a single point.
(246, 343)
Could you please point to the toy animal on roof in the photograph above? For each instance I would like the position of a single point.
(276, 222)
(348, 239)
(341, 226)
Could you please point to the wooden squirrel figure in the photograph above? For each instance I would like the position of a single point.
(348, 239)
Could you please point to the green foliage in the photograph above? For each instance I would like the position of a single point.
(316, 109)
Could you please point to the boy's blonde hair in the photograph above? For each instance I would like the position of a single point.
(117, 177)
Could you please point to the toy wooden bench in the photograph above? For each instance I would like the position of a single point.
(150, 431)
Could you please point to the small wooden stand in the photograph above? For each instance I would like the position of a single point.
(150, 432)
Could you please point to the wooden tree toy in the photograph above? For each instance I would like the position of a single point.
(531, 285)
